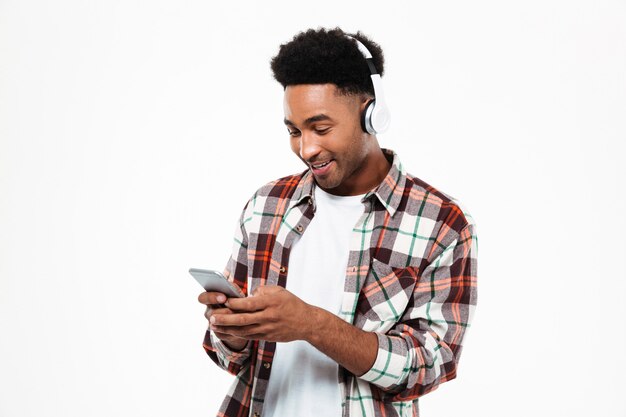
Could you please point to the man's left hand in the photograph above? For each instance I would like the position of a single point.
(272, 313)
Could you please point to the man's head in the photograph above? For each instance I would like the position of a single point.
(328, 56)
(327, 86)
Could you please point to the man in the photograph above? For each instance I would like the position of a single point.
(361, 279)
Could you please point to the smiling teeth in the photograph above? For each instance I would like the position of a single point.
(321, 165)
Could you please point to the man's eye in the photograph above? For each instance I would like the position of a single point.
(293, 133)
(322, 131)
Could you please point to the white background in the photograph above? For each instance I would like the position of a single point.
(132, 133)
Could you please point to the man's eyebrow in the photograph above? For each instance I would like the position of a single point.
(312, 119)
(316, 118)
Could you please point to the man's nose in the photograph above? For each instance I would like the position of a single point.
(309, 148)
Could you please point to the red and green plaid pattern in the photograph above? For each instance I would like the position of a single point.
(411, 279)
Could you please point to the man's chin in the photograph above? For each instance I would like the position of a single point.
(326, 183)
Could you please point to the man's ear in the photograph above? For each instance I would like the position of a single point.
(364, 99)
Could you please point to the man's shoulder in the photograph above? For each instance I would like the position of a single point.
(282, 187)
(436, 204)
(276, 191)
(420, 202)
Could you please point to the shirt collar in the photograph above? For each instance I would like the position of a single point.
(304, 190)
(389, 191)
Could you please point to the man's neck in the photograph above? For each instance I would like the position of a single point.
(371, 173)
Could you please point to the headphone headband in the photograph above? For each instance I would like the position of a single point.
(375, 118)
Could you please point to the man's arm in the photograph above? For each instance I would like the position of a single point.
(349, 346)
(423, 349)
(275, 314)
(420, 352)
(231, 353)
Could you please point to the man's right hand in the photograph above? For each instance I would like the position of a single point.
(214, 302)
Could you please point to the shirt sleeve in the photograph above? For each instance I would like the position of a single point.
(231, 361)
(422, 350)
(237, 271)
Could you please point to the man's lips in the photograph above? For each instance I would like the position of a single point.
(321, 168)
(319, 165)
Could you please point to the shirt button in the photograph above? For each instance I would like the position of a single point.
(283, 269)
(267, 365)
(299, 228)
(354, 269)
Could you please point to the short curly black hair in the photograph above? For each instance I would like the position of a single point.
(327, 56)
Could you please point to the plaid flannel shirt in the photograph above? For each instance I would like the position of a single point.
(411, 279)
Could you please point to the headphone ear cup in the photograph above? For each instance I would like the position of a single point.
(366, 118)
(380, 118)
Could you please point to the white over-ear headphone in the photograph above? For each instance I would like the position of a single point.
(376, 117)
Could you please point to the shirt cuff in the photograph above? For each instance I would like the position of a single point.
(231, 356)
(392, 364)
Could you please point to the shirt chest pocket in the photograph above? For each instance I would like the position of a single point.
(384, 297)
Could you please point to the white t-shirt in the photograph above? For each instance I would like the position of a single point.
(304, 381)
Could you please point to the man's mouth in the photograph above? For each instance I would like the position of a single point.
(321, 169)
(320, 165)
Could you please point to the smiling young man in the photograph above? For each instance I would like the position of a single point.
(361, 277)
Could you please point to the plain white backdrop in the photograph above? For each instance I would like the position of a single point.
(133, 132)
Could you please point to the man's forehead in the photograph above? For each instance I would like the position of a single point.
(311, 93)
(304, 101)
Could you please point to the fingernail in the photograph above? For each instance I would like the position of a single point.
(212, 319)
(221, 298)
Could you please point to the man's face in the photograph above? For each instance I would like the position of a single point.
(325, 133)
